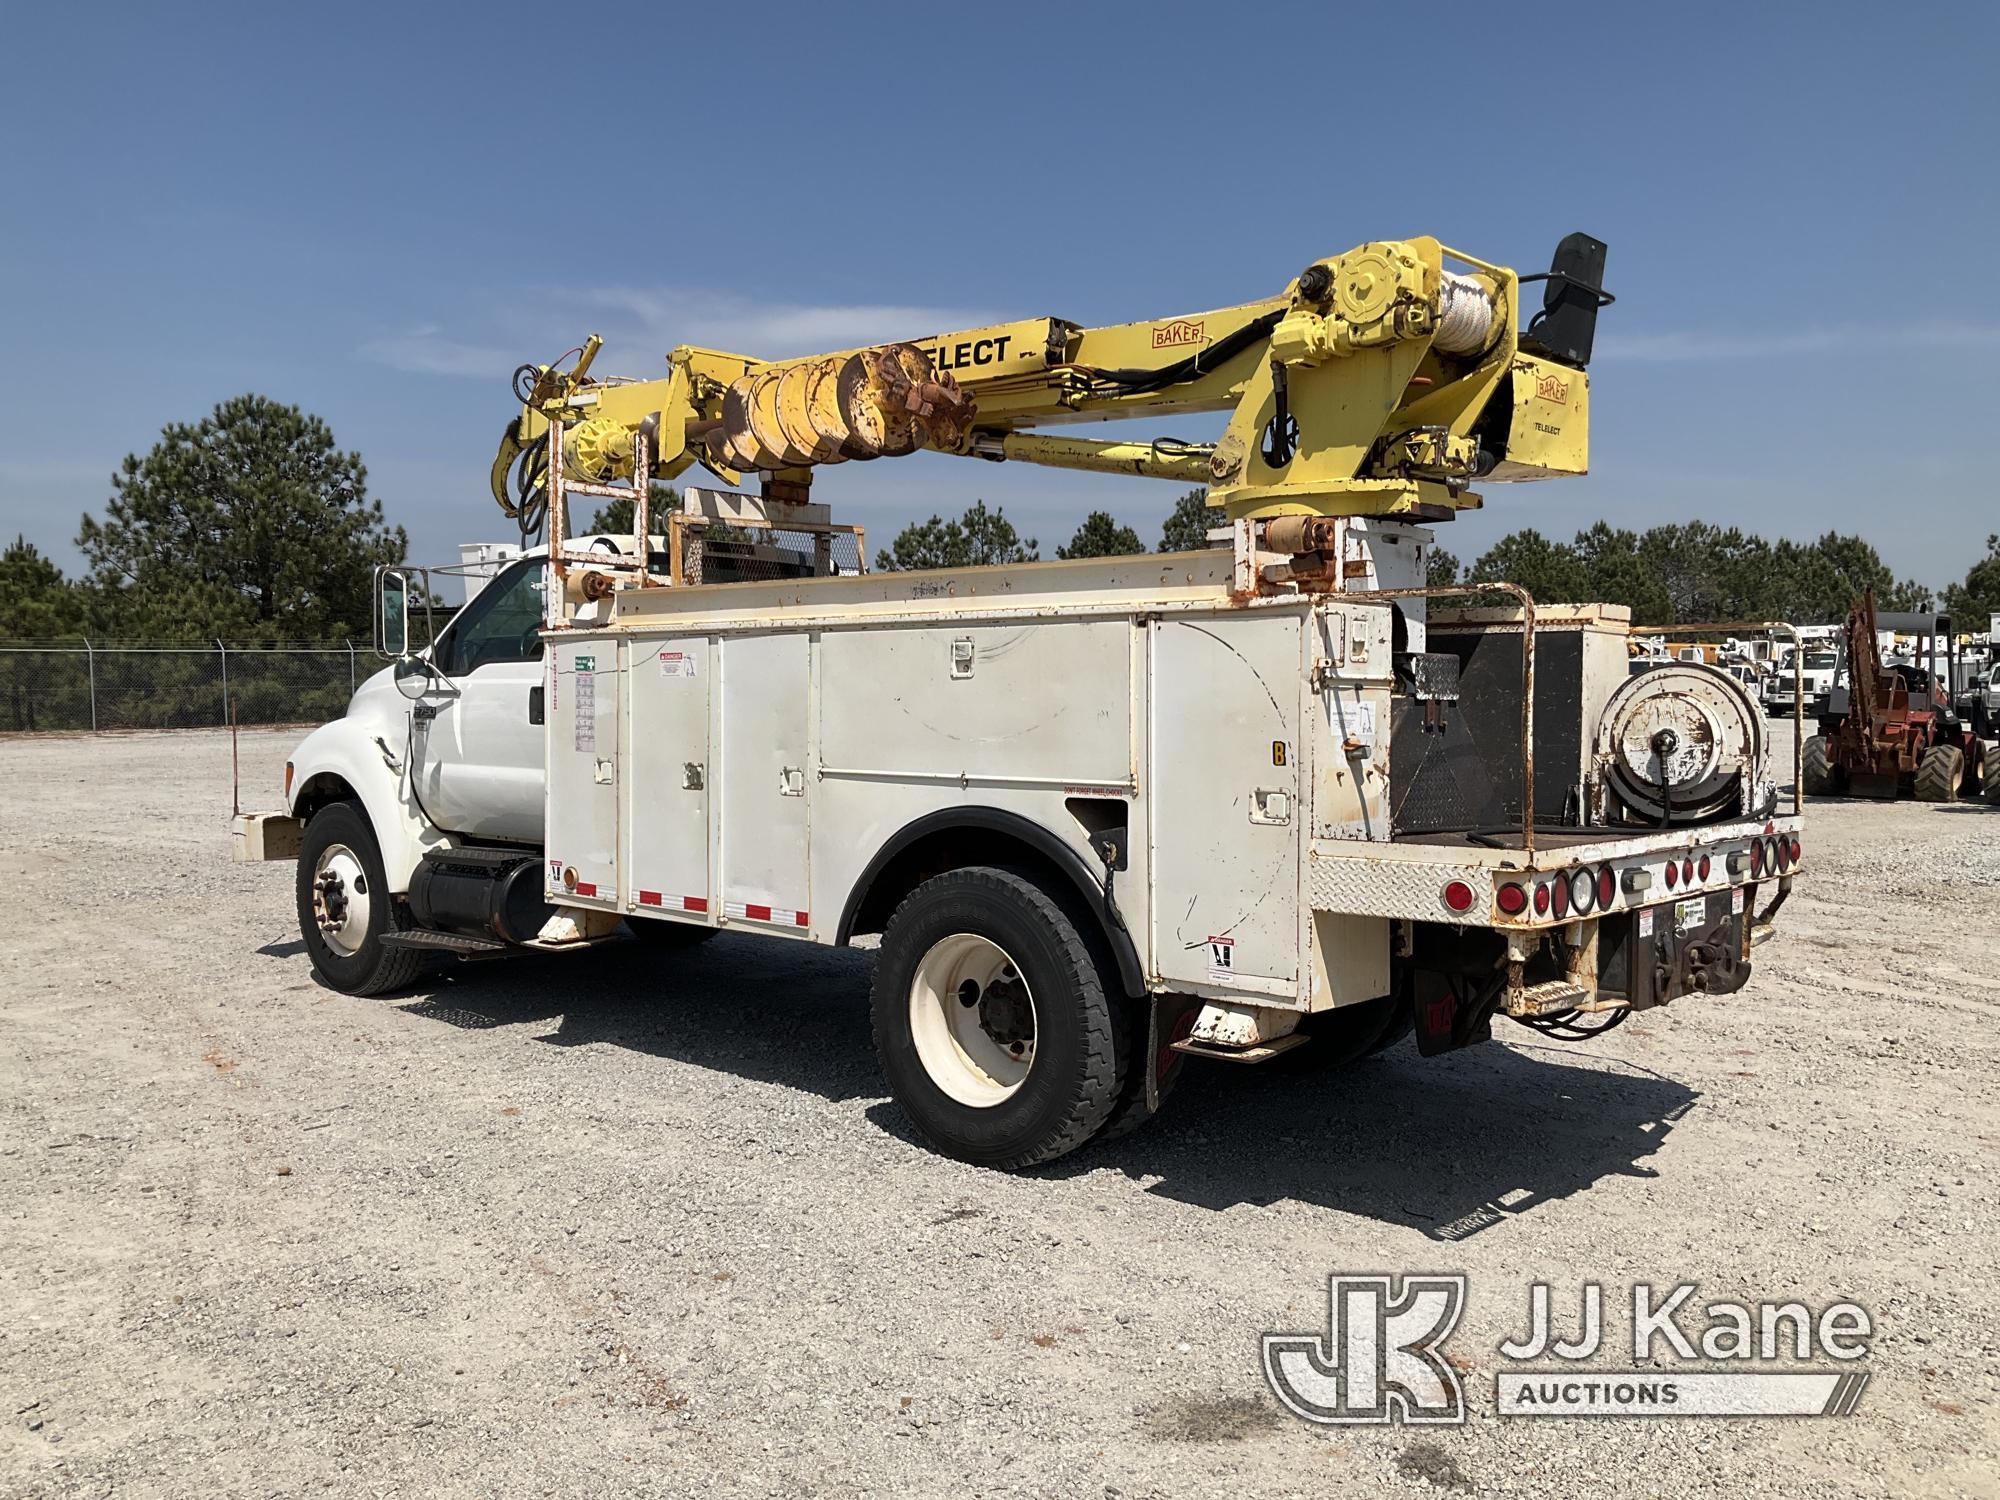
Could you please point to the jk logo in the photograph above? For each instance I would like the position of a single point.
(1378, 1360)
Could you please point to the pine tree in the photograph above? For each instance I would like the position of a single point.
(1100, 535)
(1187, 528)
(977, 538)
(36, 601)
(614, 517)
(249, 525)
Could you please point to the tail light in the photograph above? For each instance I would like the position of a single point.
(1541, 901)
(1607, 886)
(1673, 874)
(1513, 899)
(1704, 867)
(1582, 891)
(1458, 896)
(1784, 854)
(1687, 872)
(1756, 858)
(1797, 850)
(1559, 896)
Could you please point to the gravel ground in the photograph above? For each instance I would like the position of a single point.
(625, 1224)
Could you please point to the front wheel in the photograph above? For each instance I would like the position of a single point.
(993, 1023)
(1940, 774)
(345, 908)
(1817, 776)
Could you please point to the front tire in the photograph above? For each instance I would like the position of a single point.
(996, 1030)
(1816, 772)
(345, 908)
(1940, 774)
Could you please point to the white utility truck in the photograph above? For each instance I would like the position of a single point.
(1261, 800)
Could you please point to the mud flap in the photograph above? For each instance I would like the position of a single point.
(1450, 1016)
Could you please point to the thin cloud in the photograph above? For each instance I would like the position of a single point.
(426, 351)
(1684, 345)
(661, 319)
(641, 325)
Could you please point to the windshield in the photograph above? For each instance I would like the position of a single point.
(1820, 661)
(503, 623)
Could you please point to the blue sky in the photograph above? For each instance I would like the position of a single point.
(376, 212)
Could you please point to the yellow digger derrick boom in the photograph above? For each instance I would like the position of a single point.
(1381, 382)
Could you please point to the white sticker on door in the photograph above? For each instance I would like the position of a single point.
(586, 712)
(1222, 958)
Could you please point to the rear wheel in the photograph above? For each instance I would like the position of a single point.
(995, 1028)
(1167, 1065)
(1816, 773)
(345, 909)
(1975, 769)
(1940, 774)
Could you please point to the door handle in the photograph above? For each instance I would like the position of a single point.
(536, 714)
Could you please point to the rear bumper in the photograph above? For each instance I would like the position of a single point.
(1412, 879)
(255, 838)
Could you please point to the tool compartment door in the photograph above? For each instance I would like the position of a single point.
(763, 781)
(668, 792)
(1224, 747)
(584, 762)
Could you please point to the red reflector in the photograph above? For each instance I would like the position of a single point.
(1541, 900)
(1673, 874)
(1458, 896)
(1784, 854)
(1797, 850)
(1607, 886)
(1704, 867)
(1559, 896)
(1513, 900)
(1756, 859)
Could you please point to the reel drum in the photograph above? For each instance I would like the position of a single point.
(1678, 745)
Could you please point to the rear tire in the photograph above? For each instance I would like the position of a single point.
(996, 1030)
(1130, 1112)
(1940, 774)
(1974, 785)
(1816, 773)
(345, 908)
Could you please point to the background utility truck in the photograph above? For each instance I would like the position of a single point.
(1253, 802)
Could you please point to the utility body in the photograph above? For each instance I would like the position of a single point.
(1271, 801)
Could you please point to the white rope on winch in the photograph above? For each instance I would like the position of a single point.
(1465, 316)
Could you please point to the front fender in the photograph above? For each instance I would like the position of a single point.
(353, 757)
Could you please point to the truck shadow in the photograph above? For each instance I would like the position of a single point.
(787, 1013)
(1450, 1146)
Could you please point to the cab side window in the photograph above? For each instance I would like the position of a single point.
(503, 624)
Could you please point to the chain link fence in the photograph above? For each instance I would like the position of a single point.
(70, 685)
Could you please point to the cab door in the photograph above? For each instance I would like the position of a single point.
(478, 741)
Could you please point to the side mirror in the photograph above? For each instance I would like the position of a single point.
(413, 676)
(392, 612)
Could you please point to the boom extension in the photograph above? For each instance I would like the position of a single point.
(1381, 383)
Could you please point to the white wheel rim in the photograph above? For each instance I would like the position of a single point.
(973, 1019)
(340, 900)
